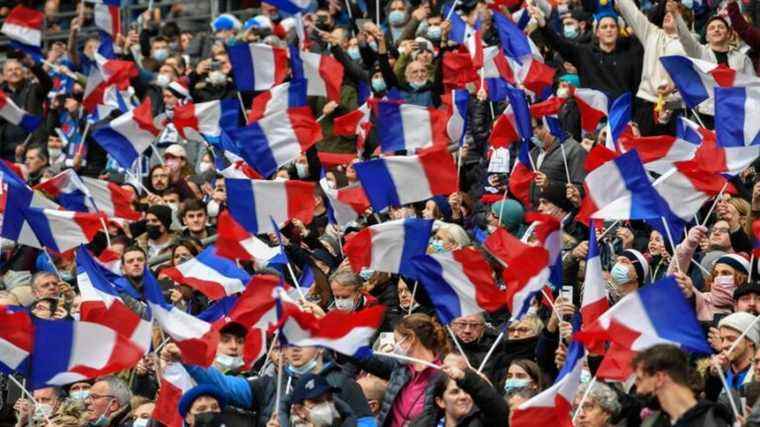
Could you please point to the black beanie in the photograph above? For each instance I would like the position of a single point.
(556, 195)
(163, 213)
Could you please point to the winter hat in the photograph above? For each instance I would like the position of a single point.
(556, 195)
(737, 262)
(740, 322)
(512, 214)
(225, 22)
(163, 213)
(750, 288)
(442, 203)
(640, 264)
(708, 262)
(258, 22)
(186, 402)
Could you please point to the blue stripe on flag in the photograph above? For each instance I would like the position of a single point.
(391, 133)
(730, 116)
(686, 79)
(445, 299)
(242, 66)
(416, 236)
(116, 145)
(53, 342)
(39, 223)
(242, 204)
(254, 148)
(378, 184)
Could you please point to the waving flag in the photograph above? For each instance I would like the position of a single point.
(16, 339)
(323, 73)
(127, 136)
(346, 204)
(659, 153)
(548, 231)
(466, 35)
(253, 202)
(696, 80)
(213, 276)
(70, 351)
(526, 269)
(205, 120)
(101, 303)
(356, 122)
(736, 112)
(594, 301)
(107, 18)
(512, 39)
(686, 187)
(521, 110)
(459, 283)
(282, 97)
(458, 121)
(291, 6)
(24, 27)
(496, 73)
(522, 175)
(277, 139)
(593, 106)
(173, 383)
(344, 332)
(235, 242)
(655, 314)
(107, 73)
(390, 246)
(257, 66)
(410, 127)
(57, 230)
(554, 405)
(385, 180)
(618, 118)
(197, 340)
(15, 115)
(89, 195)
(111, 199)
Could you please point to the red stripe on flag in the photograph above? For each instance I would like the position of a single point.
(358, 249)
(185, 117)
(281, 66)
(143, 116)
(476, 268)
(331, 71)
(440, 170)
(212, 290)
(230, 235)
(307, 130)
(300, 200)
(259, 106)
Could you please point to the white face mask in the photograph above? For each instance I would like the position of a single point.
(162, 80)
(212, 208)
(724, 280)
(323, 414)
(302, 169)
(54, 153)
(217, 78)
(42, 411)
(229, 363)
(563, 92)
(205, 166)
(344, 304)
(140, 422)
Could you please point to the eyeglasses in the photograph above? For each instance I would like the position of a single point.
(719, 230)
(94, 396)
(465, 325)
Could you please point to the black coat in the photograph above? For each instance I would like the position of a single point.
(706, 414)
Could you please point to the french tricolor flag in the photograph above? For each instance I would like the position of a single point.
(196, 338)
(594, 301)
(526, 269)
(459, 283)
(389, 246)
(236, 243)
(736, 113)
(554, 405)
(756, 238)
(522, 175)
(15, 115)
(356, 122)
(255, 203)
(111, 199)
(386, 180)
(659, 153)
(496, 73)
(210, 274)
(410, 127)
(346, 333)
(696, 80)
(205, 120)
(548, 231)
(280, 98)
(57, 230)
(291, 6)
(107, 18)
(173, 383)
(101, 303)
(277, 139)
(464, 34)
(593, 106)
(257, 66)
(618, 118)
(16, 339)
(457, 123)
(323, 73)
(127, 136)
(106, 73)
(655, 314)
(686, 187)
(345, 204)
(24, 27)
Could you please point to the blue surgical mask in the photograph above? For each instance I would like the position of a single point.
(572, 79)
(417, 85)
(305, 368)
(570, 31)
(79, 395)
(378, 84)
(366, 274)
(353, 53)
(538, 142)
(585, 376)
(160, 55)
(512, 384)
(434, 32)
(140, 422)
(619, 274)
(397, 17)
(229, 363)
(437, 246)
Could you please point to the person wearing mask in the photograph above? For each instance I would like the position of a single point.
(229, 353)
(729, 273)
(523, 374)
(108, 402)
(258, 393)
(202, 405)
(315, 401)
(142, 412)
(347, 293)
(629, 273)
(157, 236)
(599, 406)
(662, 375)
(47, 400)
(409, 392)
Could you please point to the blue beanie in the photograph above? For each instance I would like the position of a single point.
(225, 22)
(200, 390)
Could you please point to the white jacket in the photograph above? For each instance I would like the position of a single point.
(656, 45)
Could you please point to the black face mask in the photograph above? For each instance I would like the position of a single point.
(649, 401)
(154, 231)
(209, 419)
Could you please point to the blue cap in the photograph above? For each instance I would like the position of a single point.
(200, 390)
(310, 387)
(225, 22)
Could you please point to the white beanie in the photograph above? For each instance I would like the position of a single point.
(740, 322)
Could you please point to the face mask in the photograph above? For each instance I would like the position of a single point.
(140, 422)
(619, 274)
(437, 246)
(726, 281)
(585, 376)
(538, 142)
(323, 414)
(174, 207)
(512, 384)
(80, 395)
(54, 152)
(373, 45)
(212, 208)
(302, 170)
(205, 166)
(690, 3)
(344, 304)
(103, 420)
(366, 274)
(217, 78)
(208, 419)
(162, 80)
(563, 92)
(378, 85)
(572, 79)
(154, 231)
(417, 85)
(42, 411)
(229, 363)
(570, 31)
(160, 55)
(353, 53)
(305, 368)
(397, 349)
(397, 17)
(434, 32)
(67, 276)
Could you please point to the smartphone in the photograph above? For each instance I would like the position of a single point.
(567, 293)
(386, 339)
